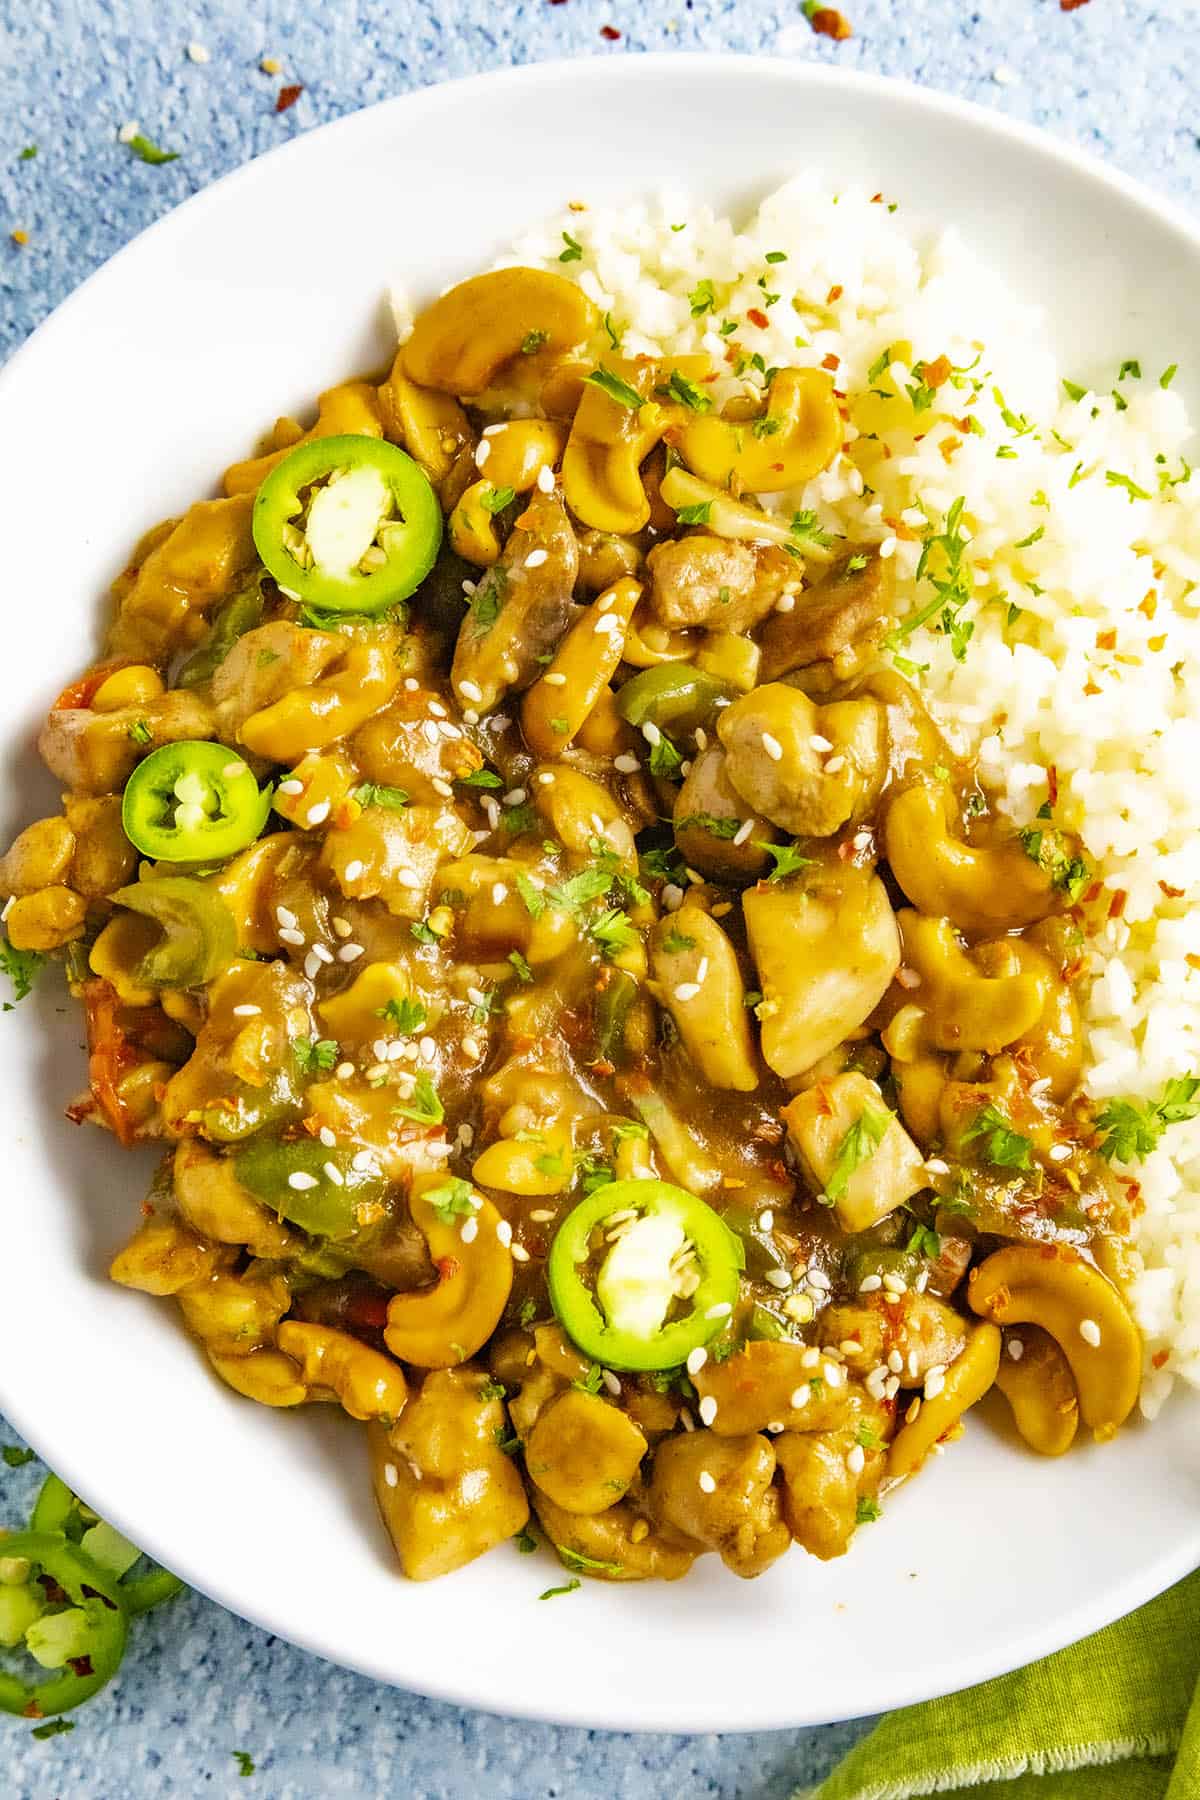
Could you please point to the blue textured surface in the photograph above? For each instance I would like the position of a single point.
(1113, 77)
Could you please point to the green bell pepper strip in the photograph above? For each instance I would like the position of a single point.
(89, 1588)
(613, 1006)
(718, 1256)
(674, 696)
(57, 1509)
(199, 936)
(291, 1176)
(389, 515)
(193, 803)
(238, 616)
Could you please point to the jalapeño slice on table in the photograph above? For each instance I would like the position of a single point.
(665, 1285)
(67, 1611)
(193, 802)
(348, 524)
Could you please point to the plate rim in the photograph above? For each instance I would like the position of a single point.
(1091, 1613)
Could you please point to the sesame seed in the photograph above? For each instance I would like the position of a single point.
(856, 1459)
(766, 1220)
(555, 678)
(349, 953)
(407, 878)
(611, 1382)
(1015, 1348)
(334, 1173)
(810, 1358)
(466, 1135)
(519, 1253)
(800, 1396)
(935, 1381)
(772, 746)
(289, 935)
(912, 1364)
(672, 896)
(895, 1284)
(887, 548)
(312, 966)
(471, 691)
(322, 954)
(300, 1181)
(291, 786)
(470, 1047)
(935, 1166)
(390, 1474)
(499, 892)
(327, 1138)
(317, 815)
(891, 1386)
(536, 558)
(869, 1283)
(429, 731)
(247, 1011)
(343, 1072)
(396, 1051)
(721, 1310)
(626, 764)
(817, 1278)
(127, 132)
(908, 978)
(437, 709)
(469, 1230)
(696, 1359)
(1089, 1331)
(1060, 1152)
(779, 1278)
(341, 927)
(448, 730)
(442, 788)
(651, 733)
(541, 1215)
(819, 744)
(743, 831)
(379, 1049)
(198, 53)
(546, 778)
(495, 430)
(786, 603)
(411, 684)
(707, 1409)
(687, 990)
(483, 451)
(360, 1161)
(428, 1049)
(545, 479)
(707, 1484)
(835, 764)
(1040, 1087)
(514, 797)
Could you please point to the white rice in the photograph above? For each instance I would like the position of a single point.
(1120, 725)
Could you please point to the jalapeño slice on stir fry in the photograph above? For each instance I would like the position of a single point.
(349, 524)
(82, 1642)
(666, 1284)
(193, 802)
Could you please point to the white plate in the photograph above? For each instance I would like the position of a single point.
(163, 367)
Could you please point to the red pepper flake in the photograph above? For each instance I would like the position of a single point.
(1071, 5)
(1156, 643)
(830, 361)
(1052, 784)
(1091, 688)
(757, 317)
(289, 95)
(1172, 893)
(949, 447)
(1116, 905)
(1106, 640)
(936, 374)
(876, 199)
(826, 21)
(1149, 603)
(82, 1665)
(1192, 960)
(835, 293)
(1160, 1356)
(610, 32)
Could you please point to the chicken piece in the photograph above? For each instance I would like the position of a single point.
(825, 1474)
(521, 608)
(853, 1149)
(396, 750)
(620, 1544)
(809, 769)
(842, 611)
(96, 752)
(185, 568)
(392, 854)
(718, 1492)
(267, 663)
(716, 582)
(923, 1331)
(710, 814)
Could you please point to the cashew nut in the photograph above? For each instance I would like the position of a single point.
(557, 704)
(697, 979)
(367, 1384)
(980, 888)
(1054, 1287)
(432, 427)
(361, 681)
(461, 342)
(964, 1008)
(442, 1325)
(967, 1379)
(609, 441)
(1040, 1388)
(350, 408)
(798, 435)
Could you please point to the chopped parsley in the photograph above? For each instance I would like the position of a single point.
(22, 968)
(1132, 1129)
(629, 1128)
(140, 733)
(702, 299)
(526, 1542)
(867, 1438)
(867, 1511)
(857, 1147)
(591, 1383)
(665, 759)
(788, 860)
(52, 1728)
(15, 1457)
(880, 366)
(1114, 478)
(579, 890)
(1168, 375)
(480, 778)
(28, 153)
(496, 499)
(573, 251)
(532, 341)
(560, 726)
(1033, 538)
(528, 1312)
(614, 336)
(1069, 874)
(616, 389)
(700, 514)
(405, 1014)
(924, 1242)
(1073, 389)
(675, 942)
(423, 1104)
(423, 931)
(517, 819)
(715, 827)
(590, 1565)
(593, 1172)
(524, 972)
(453, 1199)
(805, 529)
(1130, 370)
(1003, 1147)
(568, 1587)
(941, 564)
(314, 1055)
(614, 931)
(486, 601)
(147, 151)
(687, 393)
(766, 426)
(244, 1761)
(372, 793)
(533, 897)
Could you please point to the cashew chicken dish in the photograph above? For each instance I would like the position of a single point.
(600, 1030)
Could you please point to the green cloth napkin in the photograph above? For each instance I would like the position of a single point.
(1116, 1717)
